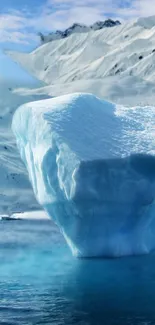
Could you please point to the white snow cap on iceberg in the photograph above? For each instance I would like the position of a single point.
(92, 168)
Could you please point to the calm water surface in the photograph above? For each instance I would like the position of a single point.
(41, 283)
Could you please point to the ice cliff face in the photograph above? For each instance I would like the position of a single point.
(92, 167)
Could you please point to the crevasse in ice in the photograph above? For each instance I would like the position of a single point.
(92, 168)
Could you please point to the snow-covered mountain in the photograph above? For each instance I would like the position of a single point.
(77, 28)
(116, 63)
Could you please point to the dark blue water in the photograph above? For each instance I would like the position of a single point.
(41, 283)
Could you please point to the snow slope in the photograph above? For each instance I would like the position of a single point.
(15, 190)
(116, 63)
(92, 167)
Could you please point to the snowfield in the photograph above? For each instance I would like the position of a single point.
(92, 167)
(117, 64)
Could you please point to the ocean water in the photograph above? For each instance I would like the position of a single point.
(41, 283)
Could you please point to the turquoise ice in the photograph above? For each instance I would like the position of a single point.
(92, 167)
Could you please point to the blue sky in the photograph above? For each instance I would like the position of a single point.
(21, 20)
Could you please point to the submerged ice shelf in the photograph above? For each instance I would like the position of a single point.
(92, 168)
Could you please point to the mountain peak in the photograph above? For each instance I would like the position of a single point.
(77, 28)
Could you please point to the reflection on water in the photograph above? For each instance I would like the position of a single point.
(41, 283)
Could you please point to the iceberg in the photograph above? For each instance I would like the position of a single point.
(92, 167)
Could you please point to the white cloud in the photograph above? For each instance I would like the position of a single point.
(59, 14)
(144, 7)
(13, 28)
(16, 37)
(12, 22)
(60, 19)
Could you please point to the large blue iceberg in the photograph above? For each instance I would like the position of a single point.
(92, 168)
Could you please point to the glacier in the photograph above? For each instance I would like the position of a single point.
(92, 167)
